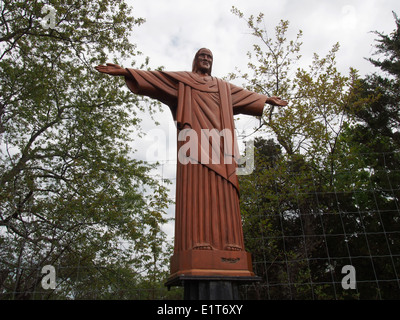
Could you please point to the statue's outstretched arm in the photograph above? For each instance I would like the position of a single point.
(112, 69)
(276, 101)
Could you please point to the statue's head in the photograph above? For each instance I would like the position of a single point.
(203, 61)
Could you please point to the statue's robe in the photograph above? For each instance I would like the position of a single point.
(207, 192)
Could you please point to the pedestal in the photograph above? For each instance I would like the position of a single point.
(211, 274)
(211, 263)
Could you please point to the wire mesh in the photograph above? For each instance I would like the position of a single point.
(310, 241)
(301, 239)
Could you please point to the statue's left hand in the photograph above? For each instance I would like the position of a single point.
(112, 69)
(276, 101)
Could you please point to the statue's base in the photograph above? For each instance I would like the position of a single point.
(211, 287)
(211, 263)
(211, 274)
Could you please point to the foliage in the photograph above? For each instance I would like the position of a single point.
(72, 195)
(324, 192)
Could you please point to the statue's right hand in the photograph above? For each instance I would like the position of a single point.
(111, 69)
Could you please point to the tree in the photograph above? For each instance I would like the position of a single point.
(72, 195)
(318, 96)
(375, 139)
(324, 192)
(295, 187)
(378, 94)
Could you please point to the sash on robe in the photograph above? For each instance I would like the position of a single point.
(205, 105)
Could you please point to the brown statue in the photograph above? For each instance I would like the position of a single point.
(208, 228)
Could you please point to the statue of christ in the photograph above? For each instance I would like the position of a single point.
(208, 228)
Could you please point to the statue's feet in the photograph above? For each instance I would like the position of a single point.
(206, 246)
(202, 246)
(233, 247)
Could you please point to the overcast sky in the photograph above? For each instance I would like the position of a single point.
(176, 29)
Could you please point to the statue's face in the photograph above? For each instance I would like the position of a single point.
(204, 61)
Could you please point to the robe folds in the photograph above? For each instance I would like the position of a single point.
(207, 190)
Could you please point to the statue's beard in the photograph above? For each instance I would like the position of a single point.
(204, 69)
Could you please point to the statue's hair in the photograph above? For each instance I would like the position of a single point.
(195, 59)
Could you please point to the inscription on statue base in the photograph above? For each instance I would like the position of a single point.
(211, 263)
